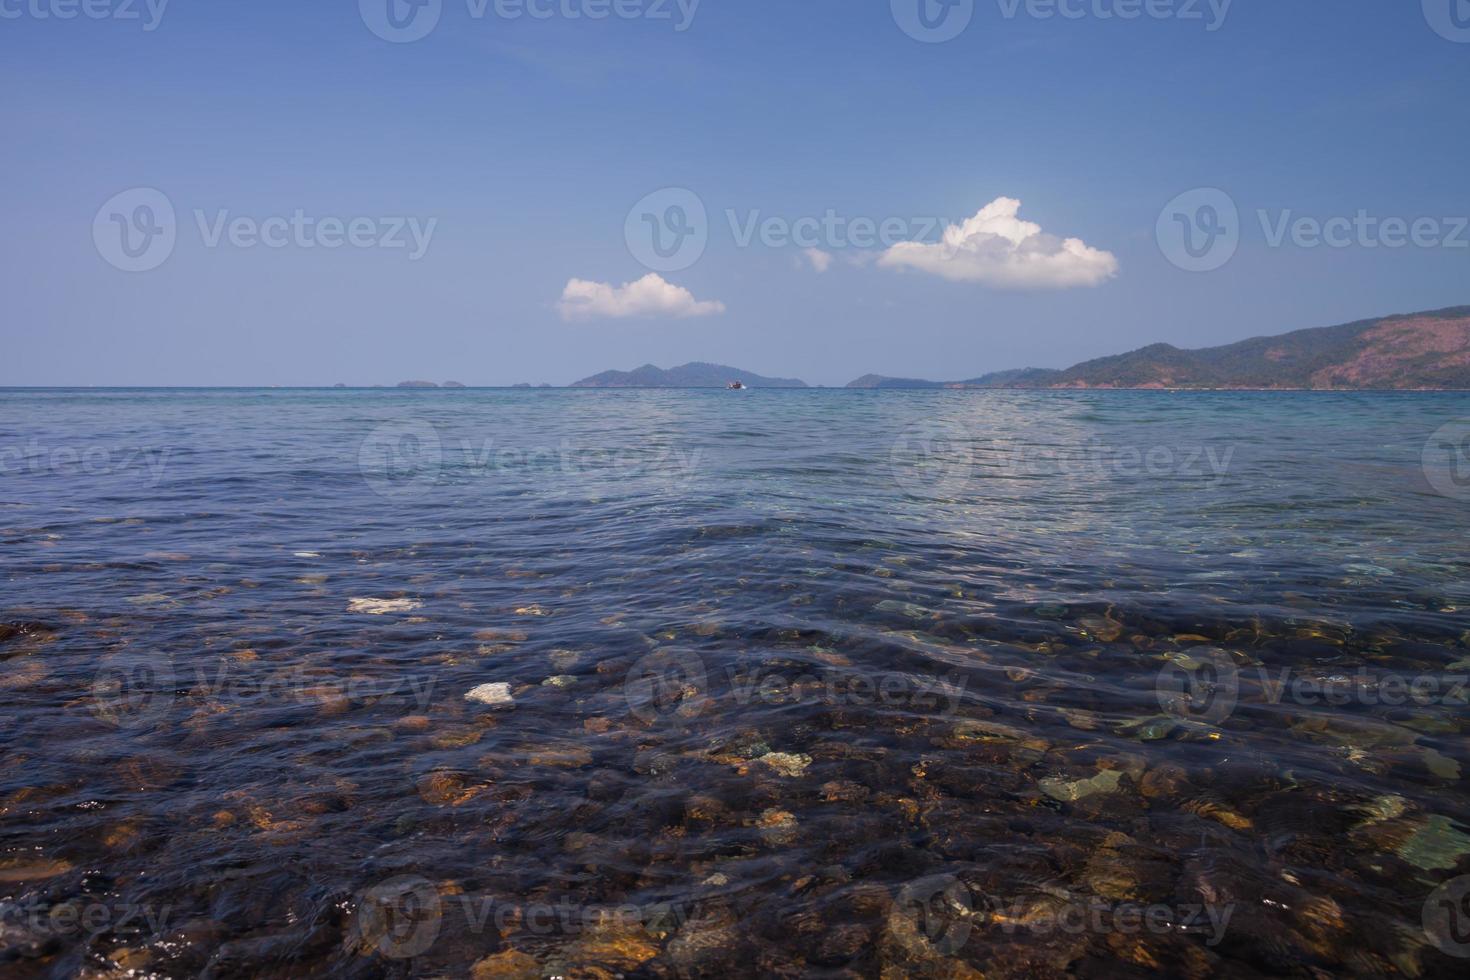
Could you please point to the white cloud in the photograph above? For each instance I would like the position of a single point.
(998, 249)
(820, 261)
(650, 296)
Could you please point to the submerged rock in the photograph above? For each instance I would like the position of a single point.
(1071, 791)
(382, 607)
(1437, 845)
(14, 870)
(786, 763)
(777, 826)
(564, 660)
(491, 694)
(1441, 765)
(510, 964)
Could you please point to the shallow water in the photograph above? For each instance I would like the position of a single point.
(828, 683)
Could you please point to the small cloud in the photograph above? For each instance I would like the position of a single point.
(998, 249)
(651, 296)
(819, 260)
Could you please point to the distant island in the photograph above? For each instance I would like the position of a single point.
(696, 375)
(429, 384)
(1414, 351)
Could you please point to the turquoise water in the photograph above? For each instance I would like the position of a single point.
(807, 682)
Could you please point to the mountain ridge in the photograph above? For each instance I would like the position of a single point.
(1411, 351)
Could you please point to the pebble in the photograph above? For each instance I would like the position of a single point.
(777, 826)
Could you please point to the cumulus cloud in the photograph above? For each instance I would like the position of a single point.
(819, 260)
(651, 296)
(998, 249)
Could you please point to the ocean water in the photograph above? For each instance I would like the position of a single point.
(821, 683)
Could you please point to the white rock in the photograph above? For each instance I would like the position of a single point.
(381, 607)
(492, 694)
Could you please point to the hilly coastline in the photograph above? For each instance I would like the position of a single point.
(1408, 352)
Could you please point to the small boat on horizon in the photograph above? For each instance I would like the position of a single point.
(736, 386)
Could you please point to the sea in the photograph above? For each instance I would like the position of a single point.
(685, 683)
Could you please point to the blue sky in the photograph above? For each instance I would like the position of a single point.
(518, 147)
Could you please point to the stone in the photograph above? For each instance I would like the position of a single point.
(491, 694)
(382, 607)
(786, 763)
(1437, 845)
(777, 826)
(1068, 791)
(510, 964)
